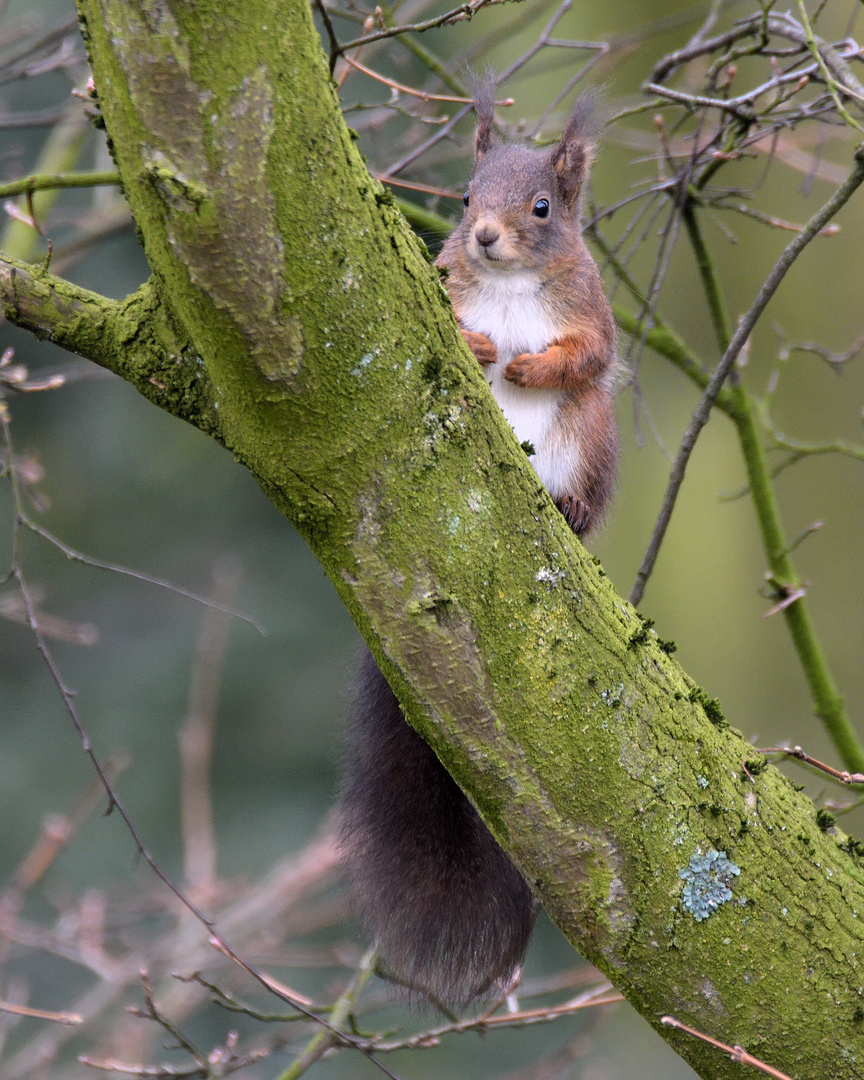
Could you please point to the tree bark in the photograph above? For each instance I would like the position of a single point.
(292, 315)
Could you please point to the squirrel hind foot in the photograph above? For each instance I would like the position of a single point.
(449, 914)
(577, 514)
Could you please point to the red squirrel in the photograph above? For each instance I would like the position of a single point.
(528, 298)
(450, 915)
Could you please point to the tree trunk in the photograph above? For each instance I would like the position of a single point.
(293, 316)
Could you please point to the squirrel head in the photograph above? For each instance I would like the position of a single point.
(523, 207)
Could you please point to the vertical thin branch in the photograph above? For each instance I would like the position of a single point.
(703, 409)
(828, 703)
(196, 737)
(826, 698)
(331, 35)
(322, 1041)
(713, 293)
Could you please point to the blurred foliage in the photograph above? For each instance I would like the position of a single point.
(124, 483)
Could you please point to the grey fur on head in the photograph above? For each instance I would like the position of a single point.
(583, 125)
(482, 89)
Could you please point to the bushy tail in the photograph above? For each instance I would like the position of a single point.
(449, 913)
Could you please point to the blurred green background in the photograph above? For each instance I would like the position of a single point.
(128, 484)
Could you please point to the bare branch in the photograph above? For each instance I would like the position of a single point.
(196, 736)
(745, 327)
(66, 1018)
(736, 1053)
(459, 14)
(843, 777)
(28, 184)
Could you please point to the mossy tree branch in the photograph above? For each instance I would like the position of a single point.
(336, 374)
(134, 338)
(27, 185)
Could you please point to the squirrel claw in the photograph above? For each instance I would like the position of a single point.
(484, 351)
(576, 513)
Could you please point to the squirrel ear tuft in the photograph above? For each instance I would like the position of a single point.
(483, 92)
(573, 156)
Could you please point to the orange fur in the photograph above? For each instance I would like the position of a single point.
(567, 364)
(484, 351)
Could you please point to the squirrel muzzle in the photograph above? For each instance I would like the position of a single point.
(492, 242)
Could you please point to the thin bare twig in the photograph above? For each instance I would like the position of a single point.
(604, 994)
(154, 1013)
(423, 95)
(736, 1053)
(459, 14)
(843, 777)
(331, 33)
(66, 1018)
(427, 189)
(99, 564)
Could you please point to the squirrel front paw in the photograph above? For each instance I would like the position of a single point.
(522, 370)
(483, 349)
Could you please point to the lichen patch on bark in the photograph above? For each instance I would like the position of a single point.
(207, 163)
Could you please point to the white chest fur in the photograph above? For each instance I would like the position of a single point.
(507, 308)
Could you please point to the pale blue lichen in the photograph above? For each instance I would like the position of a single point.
(701, 781)
(612, 697)
(549, 576)
(365, 361)
(708, 879)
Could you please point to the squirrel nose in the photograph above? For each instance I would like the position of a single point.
(486, 235)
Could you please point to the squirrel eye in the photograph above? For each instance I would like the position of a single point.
(465, 198)
(541, 208)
